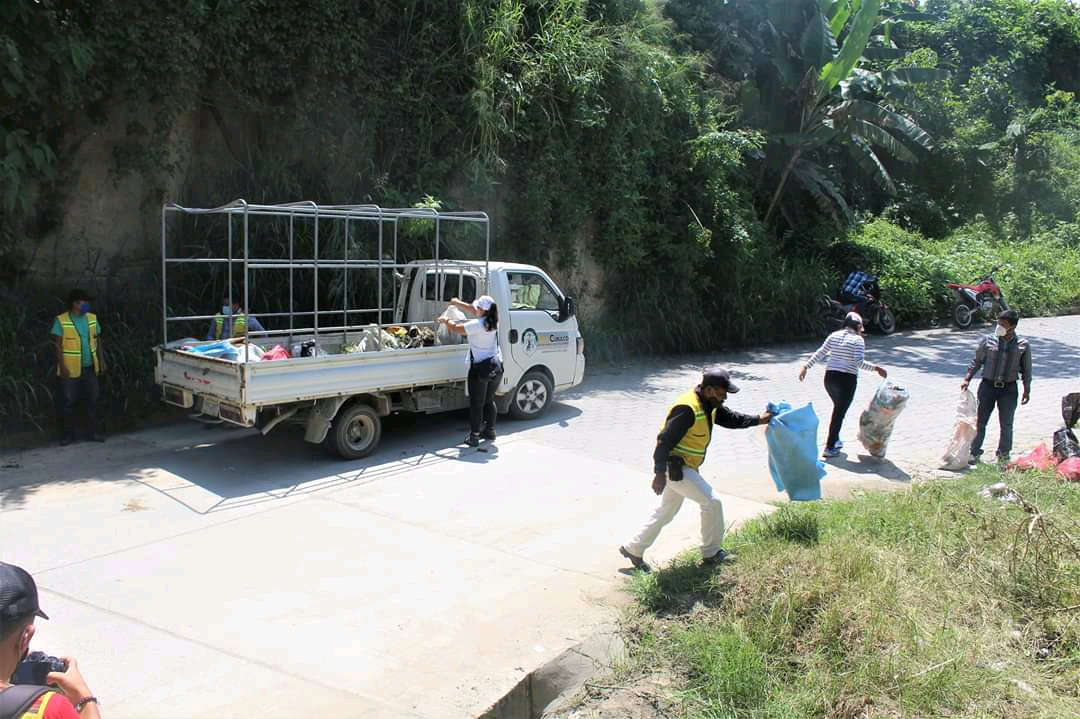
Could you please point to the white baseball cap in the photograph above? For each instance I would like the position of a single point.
(484, 303)
(853, 317)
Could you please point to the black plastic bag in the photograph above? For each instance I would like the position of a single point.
(1065, 444)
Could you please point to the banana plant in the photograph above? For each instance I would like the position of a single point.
(839, 104)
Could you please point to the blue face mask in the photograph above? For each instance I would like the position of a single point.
(84, 307)
(226, 310)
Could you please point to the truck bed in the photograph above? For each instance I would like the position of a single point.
(249, 385)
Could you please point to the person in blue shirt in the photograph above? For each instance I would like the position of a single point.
(80, 360)
(853, 291)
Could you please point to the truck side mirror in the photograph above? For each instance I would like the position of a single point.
(567, 308)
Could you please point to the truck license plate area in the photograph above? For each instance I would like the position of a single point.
(210, 407)
(178, 397)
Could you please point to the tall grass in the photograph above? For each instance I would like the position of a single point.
(933, 602)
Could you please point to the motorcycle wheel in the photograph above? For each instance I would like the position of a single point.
(886, 321)
(962, 315)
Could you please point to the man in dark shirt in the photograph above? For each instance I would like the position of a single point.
(680, 451)
(1003, 356)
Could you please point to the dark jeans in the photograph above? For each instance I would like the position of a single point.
(482, 387)
(1005, 398)
(841, 388)
(86, 388)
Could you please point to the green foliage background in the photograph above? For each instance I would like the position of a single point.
(646, 138)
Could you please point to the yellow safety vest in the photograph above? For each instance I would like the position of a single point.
(696, 440)
(238, 329)
(72, 344)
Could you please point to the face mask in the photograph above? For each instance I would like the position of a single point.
(226, 310)
(1000, 331)
(84, 307)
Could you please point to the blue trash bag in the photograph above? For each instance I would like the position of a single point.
(793, 452)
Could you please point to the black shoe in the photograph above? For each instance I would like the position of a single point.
(974, 460)
(717, 559)
(638, 562)
(488, 434)
(473, 440)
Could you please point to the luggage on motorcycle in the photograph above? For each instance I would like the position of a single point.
(958, 453)
(793, 454)
(877, 421)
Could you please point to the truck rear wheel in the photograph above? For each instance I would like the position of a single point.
(532, 396)
(356, 431)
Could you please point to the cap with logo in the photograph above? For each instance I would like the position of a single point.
(18, 593)
(718, 377)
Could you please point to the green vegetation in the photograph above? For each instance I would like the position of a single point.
(719, 163)
(930, 602)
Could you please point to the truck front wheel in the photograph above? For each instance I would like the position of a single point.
(356, 431)
(532, 396)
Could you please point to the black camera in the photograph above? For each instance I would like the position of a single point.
(36, 667)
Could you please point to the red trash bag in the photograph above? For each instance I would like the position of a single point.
(1070, 469)
(1039, 458)
(277, 353)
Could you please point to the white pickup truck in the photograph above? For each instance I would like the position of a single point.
(340, 397)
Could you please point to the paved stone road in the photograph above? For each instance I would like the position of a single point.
(199, 573)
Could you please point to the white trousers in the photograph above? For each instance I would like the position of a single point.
(694, 488)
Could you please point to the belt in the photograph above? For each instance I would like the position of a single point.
(999, 384)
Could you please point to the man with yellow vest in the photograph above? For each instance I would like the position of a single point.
(79, 361)
(680, 451)
(232, 321)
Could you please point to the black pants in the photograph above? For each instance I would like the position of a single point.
(484, 379)
(841, 388)
(1005, 399)
(86, 388)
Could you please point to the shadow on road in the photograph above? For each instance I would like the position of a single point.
(409, 442)
(867, 464)
(237, 468)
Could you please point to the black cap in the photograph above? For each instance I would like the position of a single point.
(1010, 316)
(18, 593)
(718, 377)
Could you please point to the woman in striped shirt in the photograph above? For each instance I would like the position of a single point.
(845, 349)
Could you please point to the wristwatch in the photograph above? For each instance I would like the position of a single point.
(81, 704)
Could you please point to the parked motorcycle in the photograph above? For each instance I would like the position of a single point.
(874, 311)
(983, 297)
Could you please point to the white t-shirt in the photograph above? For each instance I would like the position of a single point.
(483, 343)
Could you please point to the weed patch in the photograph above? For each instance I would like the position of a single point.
(932, 602)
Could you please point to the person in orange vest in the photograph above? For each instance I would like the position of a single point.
(232, 321)
(80, 360)
(680, 451)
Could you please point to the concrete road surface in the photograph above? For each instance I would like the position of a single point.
(200, 573)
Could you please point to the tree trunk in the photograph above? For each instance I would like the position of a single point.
(780, 187)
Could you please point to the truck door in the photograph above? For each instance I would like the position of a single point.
(537, 335)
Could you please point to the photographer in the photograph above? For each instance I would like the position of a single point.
(66, 696)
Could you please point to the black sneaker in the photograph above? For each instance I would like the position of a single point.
(974, 460)
(717, 559)
(638, 562)
(473, 440)
(488, 434)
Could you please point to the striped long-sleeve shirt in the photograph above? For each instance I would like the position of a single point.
(845, 350)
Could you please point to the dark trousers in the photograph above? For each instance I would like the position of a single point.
(482, 387)
(841, 388)
(85, 387)
(1005, 398)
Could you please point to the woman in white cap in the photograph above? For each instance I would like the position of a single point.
(485, 363)
(845, 349)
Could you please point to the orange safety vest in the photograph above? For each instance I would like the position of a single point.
(693, 444)
(238, 329)
(72, 344)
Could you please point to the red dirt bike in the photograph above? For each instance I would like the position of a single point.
(982, 297)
